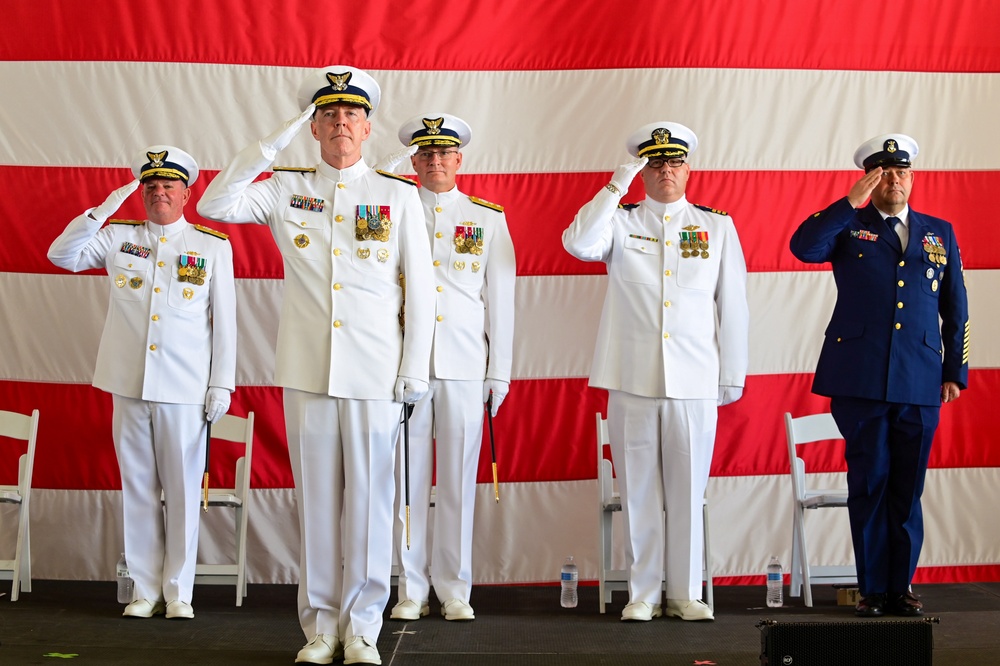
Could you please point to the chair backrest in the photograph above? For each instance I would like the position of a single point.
(806, 430)
(605, 469)
(238, 429)
(22, 427)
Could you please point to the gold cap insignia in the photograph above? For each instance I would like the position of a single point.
(433, 126)
(339, 81)
(661, 136)
(890, 146)
(157, 159)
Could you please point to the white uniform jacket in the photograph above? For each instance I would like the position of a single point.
(165, 340)
(339, 332)
(672, 326)
(474, 274)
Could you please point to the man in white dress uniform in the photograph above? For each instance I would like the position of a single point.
(474, 274)
(671, 348)
(347, 235)
(168, 357)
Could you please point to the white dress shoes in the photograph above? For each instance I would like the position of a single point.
(409, 610)
(640, 611)
(143, 608)
(456, 609)
(179, 610)
(321, 650)
(689, 610)
(361, 650)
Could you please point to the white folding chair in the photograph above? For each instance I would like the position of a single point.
(232, 429)
(609, 502)
(18, 570)
(800, 431)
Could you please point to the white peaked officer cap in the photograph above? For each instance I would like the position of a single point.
(340, 84)
(435, 129)
(886, 150)
(662, 139)
(165, 162)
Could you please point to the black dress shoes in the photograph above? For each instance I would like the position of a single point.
(871, 605)
(906, 604)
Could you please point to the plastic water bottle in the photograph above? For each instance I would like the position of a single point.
(125, 584)
(570, 577)
(775, 584)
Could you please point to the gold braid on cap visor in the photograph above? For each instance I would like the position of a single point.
(664, 150)
(163, 173)
(435, 141)
(342, 97)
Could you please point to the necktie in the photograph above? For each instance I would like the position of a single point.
(897, 225)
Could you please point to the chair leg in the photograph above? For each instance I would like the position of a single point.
(707, 557)
(804, 561)
(241, 553)
(604, 555)
(795, 582)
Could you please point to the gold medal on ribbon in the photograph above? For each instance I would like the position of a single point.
(685, 253)
(704, 254)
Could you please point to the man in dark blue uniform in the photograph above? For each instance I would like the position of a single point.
(888, 361)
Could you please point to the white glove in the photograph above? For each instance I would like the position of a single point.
(216, 403)
(391, 161)
(625, 174)
(114, 201)
(728, 394)
(499, 389)
(283, 136)
(410, 390)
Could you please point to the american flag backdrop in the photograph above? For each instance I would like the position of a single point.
(780, 94)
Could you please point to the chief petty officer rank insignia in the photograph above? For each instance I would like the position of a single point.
(191, 268)
(468, 240)
(373, 223)
(694, 243)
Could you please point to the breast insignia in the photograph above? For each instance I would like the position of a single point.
(211, 232)
(488, 204)
(389, 174)
(133, 223)
(711, 210)
(294, 169)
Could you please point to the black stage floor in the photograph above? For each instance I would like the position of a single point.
(80, 623)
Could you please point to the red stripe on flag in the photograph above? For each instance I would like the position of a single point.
(423, 34)
(766, 206)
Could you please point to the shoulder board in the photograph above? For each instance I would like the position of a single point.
(294, 169)
(628, 206)
(489, 204)
(389, 174)
(711, 210)
(134, 223)
(211, 232)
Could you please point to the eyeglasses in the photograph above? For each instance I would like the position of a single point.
(900, 173)
(658, 162)
(428, 155)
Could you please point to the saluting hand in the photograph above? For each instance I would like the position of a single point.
(114, 201)
(625, 174)
(280, 138)
(391, 161)
(863, 188)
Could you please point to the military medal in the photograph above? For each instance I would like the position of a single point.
(191, 268)
(468, 239)
(135, 283)
(934, 285)
(372, 223)
(120, 281)
(301, 241)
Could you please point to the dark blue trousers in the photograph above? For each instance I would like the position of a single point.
(888, 445)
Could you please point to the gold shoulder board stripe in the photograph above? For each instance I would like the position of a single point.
(389, 174)
(211, 232)
(294, 169)
(134, 223)
(711, 210)
(489, 204)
